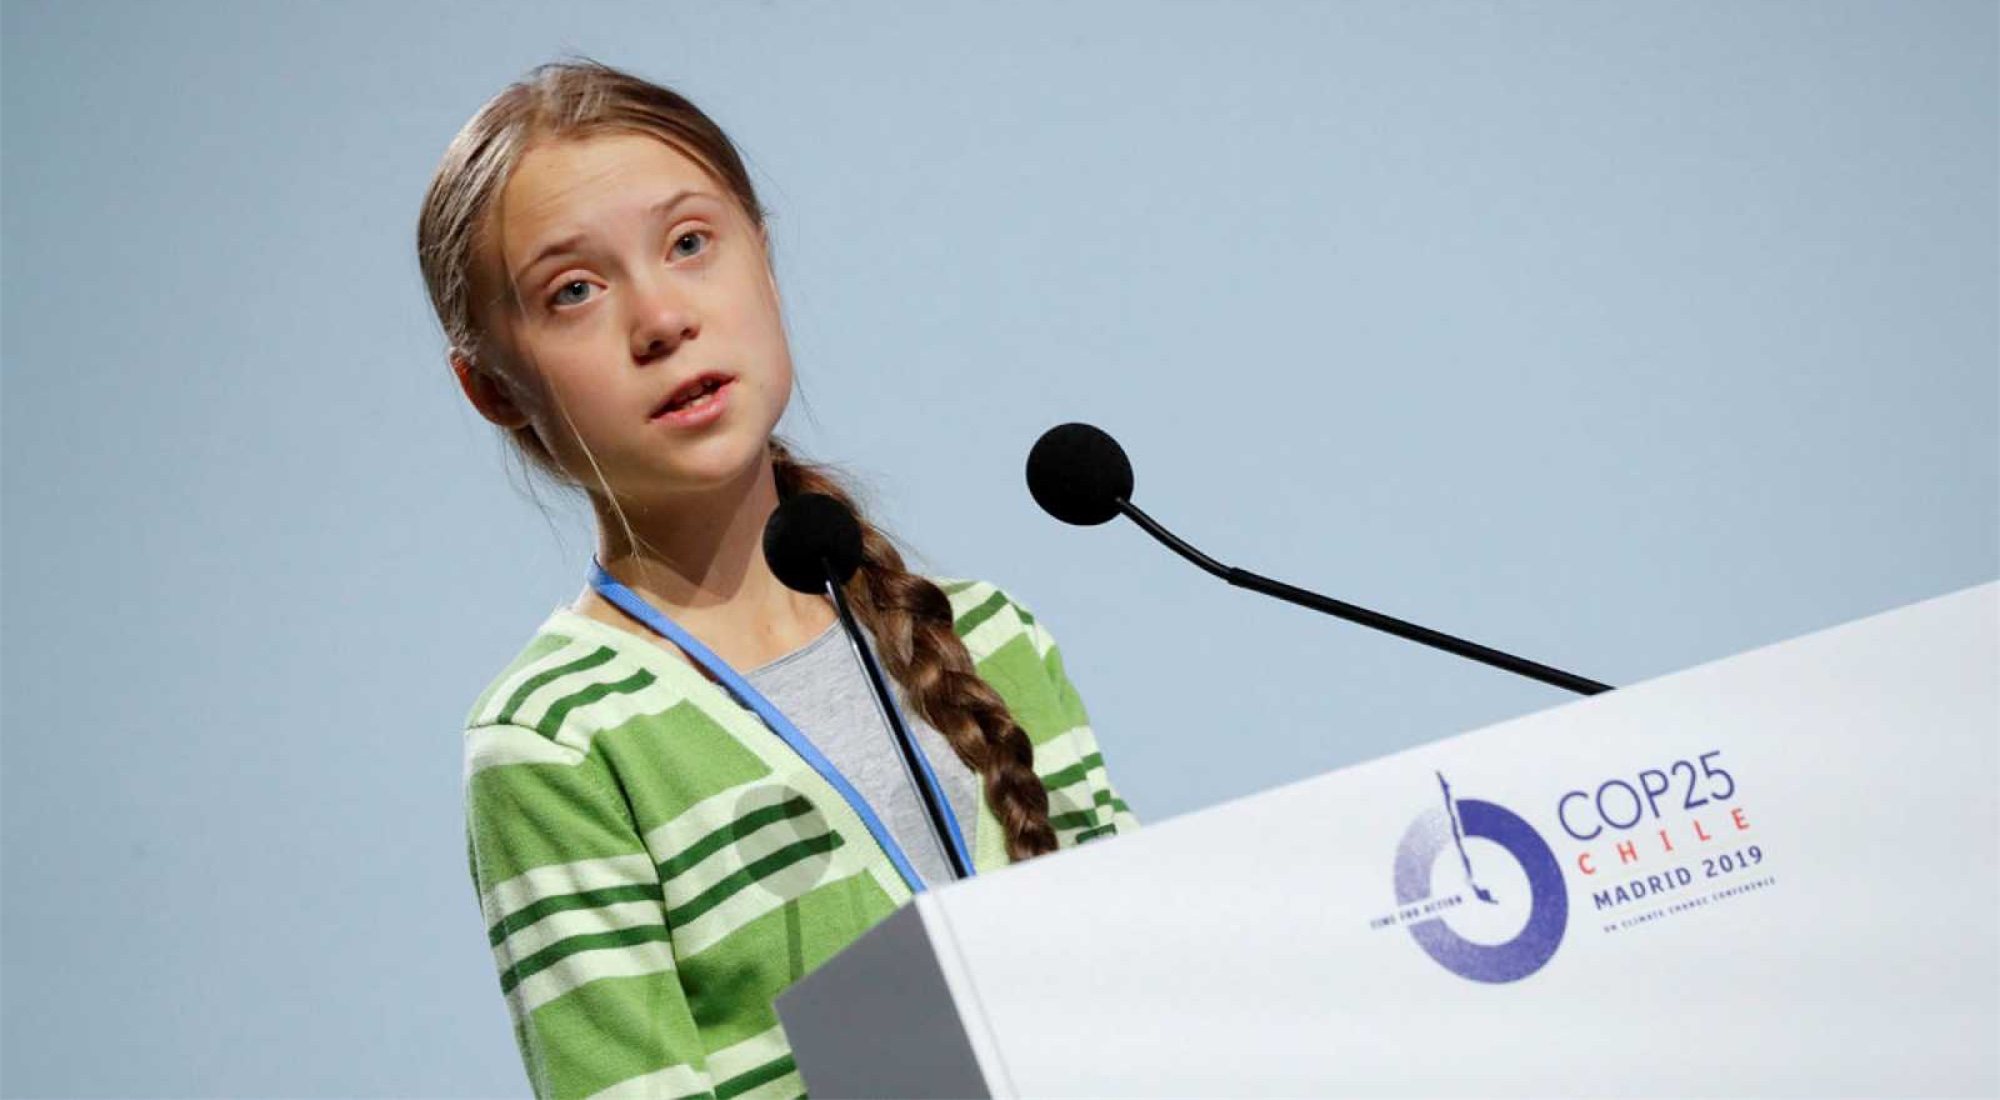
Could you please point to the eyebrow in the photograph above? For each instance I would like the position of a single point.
(569, 243)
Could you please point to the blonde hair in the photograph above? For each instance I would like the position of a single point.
(909, 616)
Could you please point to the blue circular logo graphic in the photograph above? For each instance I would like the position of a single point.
(1429, 836)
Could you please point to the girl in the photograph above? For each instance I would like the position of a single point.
(655, 861)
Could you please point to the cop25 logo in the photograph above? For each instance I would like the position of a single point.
(1537, 888)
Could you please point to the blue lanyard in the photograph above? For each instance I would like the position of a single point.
(634, 605)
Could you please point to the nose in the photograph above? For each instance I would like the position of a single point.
(663, 317)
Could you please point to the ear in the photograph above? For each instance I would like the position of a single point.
(486, 391)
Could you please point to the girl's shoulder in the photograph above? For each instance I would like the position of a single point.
(1014, 652)
(990, 620)
(573, 666)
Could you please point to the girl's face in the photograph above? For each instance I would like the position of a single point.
(641, 284)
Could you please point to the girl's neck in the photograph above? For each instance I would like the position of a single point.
(700, 561)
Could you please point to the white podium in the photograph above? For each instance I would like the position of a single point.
(1772, 875)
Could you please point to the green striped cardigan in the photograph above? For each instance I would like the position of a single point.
(654, 865)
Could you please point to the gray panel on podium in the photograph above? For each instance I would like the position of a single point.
(880, 1022)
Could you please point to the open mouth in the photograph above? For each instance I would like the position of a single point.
(694, 394)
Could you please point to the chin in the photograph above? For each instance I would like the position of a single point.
(710, 465)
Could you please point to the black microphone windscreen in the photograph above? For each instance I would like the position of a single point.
(1078, 474)
(809, 535)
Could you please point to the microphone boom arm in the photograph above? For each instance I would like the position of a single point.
(1243, 578)
(913, 767)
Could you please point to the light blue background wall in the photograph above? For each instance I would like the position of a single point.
(1623, 337)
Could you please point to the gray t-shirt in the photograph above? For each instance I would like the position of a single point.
(823, 690)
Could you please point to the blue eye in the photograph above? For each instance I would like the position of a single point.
(701, 236)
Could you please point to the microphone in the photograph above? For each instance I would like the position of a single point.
(1080, 475)
(811, 540)
(813, 545)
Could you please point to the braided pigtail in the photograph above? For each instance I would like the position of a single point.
(912, 623)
